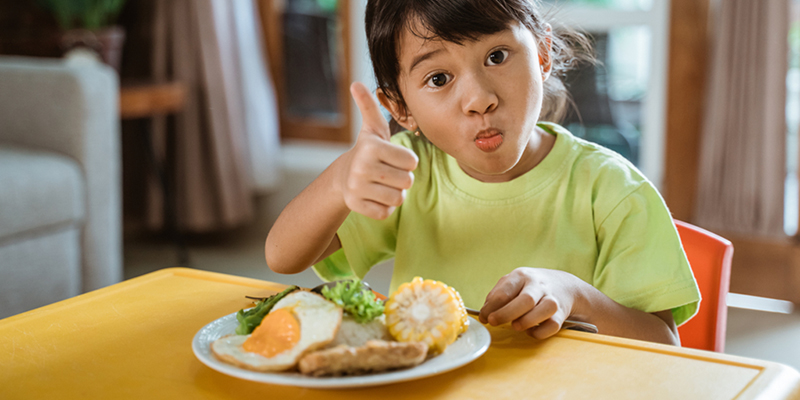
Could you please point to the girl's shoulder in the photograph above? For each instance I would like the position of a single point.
(604, 173)
(597, 162)
(615, 184)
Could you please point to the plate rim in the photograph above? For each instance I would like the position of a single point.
(483, 340)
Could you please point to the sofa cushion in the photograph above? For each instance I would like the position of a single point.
(40, 270)
(40, 189)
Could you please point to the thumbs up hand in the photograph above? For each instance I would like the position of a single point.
(376, 172)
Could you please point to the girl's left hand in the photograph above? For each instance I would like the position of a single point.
(533, 299)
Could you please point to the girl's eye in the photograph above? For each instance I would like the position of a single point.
(438, 80)
(497, 57)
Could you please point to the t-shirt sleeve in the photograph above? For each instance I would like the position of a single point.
(641, 262)
(366, 241)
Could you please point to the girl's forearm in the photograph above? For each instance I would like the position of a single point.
(612, 318)
(306, 229)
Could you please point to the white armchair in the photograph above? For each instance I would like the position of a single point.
(60, 181)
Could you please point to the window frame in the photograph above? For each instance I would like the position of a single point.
(654, 104)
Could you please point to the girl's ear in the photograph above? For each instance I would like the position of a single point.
(399, 113)
(545, 55)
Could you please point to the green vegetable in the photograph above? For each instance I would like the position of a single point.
(250, 319)
(355, 299)
(86, 14)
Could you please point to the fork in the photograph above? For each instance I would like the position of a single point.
(568, 324)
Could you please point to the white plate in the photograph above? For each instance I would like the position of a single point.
(469, 346)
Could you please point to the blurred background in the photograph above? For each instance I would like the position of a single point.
(226, 109)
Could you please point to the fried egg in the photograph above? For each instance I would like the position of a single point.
(299, 323)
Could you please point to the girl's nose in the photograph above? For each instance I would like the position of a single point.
(479, 96)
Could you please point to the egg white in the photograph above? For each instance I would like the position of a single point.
(319, 321)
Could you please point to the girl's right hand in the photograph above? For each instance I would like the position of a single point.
(536, 300)
(375, 173)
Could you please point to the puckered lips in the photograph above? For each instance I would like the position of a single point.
(489, 140)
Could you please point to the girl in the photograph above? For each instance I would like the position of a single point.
(530, 224)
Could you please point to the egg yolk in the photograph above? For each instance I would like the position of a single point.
(278, 332)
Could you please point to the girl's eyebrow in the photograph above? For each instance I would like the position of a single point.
(422, 57)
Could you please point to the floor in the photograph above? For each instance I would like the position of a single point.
(755, 334)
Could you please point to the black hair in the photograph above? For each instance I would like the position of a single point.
(458, 21)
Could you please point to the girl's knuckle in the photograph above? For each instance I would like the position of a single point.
(409, 180)
(397, 198)
(527, 299)
(360, 170)
(504, 296)
(550, 305)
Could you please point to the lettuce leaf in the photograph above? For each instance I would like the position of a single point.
(355, 299)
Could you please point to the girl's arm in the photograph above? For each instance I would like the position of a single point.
(539, 300)
(617, 320)
(305, 231)
(371, 179)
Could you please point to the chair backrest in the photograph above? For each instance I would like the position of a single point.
(710, 257)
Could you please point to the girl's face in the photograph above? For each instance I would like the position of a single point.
(478, 102)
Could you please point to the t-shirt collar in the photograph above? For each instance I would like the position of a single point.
(522, 186)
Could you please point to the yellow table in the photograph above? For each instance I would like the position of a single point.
(133, 340)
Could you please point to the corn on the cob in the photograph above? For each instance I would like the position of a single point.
(464, 319)
(426, 311)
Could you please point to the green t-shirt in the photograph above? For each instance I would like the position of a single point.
(584, 209)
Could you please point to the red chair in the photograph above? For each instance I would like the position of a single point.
(710, 257)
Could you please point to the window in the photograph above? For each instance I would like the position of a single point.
(792, 189)
(625, 5)
(621, 101)
(309, 54)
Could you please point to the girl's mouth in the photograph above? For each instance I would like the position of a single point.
(489, 140)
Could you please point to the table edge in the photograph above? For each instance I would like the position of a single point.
(138, 281)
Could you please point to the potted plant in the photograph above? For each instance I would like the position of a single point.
(89, 23)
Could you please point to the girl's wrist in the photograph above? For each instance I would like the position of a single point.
(338, 178)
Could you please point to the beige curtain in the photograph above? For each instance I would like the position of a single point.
(742, 156)
(226, 140)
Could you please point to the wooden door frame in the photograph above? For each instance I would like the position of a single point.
(688, 54)
(339, 130)
(761, 266)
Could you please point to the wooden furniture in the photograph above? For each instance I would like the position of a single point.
(147, 100)
(689, 48)
(143, 101)
(768, 267)
(133, 340)
(336, 126)
(60, 186)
